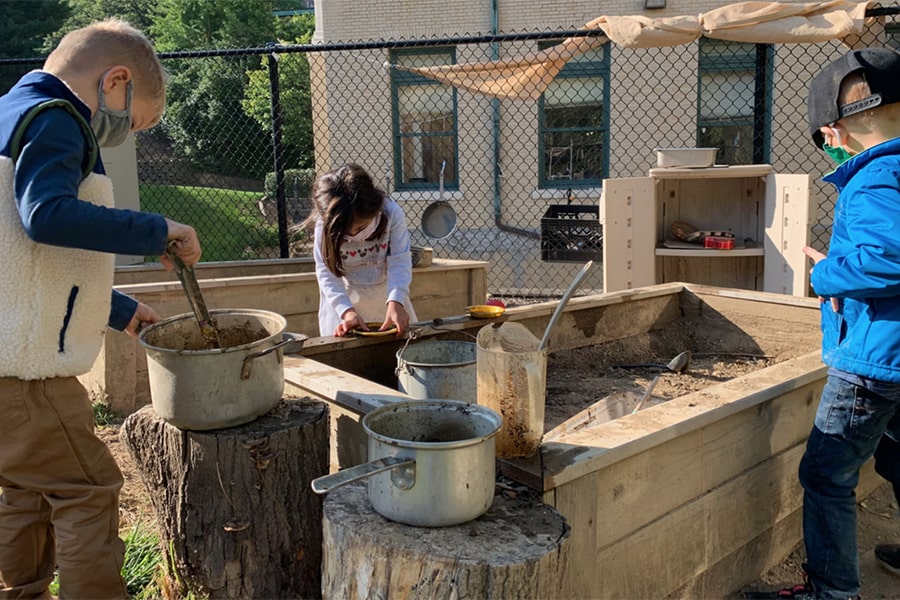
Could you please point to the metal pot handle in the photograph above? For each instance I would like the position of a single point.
(296, 339)
(405, 480)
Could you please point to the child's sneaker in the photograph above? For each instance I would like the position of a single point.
(803, 591)
(888, 556)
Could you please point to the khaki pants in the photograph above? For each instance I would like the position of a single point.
(60, 494)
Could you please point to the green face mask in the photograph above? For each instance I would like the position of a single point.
(838, 155)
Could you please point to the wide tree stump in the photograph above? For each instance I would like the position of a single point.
(515, 550)
(236, 513)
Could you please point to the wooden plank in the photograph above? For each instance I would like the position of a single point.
(787, 232)
(685, 542)
(699, 536)
(746, 564)
(712, 172)
(581, 504)
(629, 213)
(150, 272)
(761, 304)
(750, 560)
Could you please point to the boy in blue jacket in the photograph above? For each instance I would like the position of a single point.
(854, 115)
(59, 231)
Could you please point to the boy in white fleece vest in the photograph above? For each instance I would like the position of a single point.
(58, 233)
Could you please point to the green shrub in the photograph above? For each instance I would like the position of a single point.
(297, 183)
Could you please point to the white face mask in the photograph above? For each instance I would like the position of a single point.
(112, 126)
(367, 231)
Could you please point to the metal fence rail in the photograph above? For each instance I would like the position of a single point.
(234, 154)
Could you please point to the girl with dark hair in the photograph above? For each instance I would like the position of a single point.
(362, 254)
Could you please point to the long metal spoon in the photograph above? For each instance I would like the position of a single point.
(192, 290)
(562, 304)
(677, 365)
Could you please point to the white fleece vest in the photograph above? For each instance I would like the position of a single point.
(54, 301)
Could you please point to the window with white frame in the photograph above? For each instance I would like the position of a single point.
(424, 122)
(573, 124)
(734, 100)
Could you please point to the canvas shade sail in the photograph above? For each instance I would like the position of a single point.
(527, 78)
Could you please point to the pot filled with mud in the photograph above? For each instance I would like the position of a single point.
(200, 388)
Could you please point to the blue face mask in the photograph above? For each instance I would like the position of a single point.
(838, 155)
(112, 126)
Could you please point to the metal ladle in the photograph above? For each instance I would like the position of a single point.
(188, 280)
(677, 365)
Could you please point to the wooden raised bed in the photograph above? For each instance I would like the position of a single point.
(119, 376)
(693, 497)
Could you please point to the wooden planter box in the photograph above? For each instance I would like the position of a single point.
(691, 498)
(119, 376)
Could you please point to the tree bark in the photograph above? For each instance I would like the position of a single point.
(237, 516)
(515, 550)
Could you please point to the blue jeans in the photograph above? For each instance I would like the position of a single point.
(856, 419)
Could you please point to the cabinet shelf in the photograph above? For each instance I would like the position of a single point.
(767, 212)
(710, 252)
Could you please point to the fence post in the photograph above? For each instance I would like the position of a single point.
(278, 156)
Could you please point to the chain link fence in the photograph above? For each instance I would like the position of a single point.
(515, 183)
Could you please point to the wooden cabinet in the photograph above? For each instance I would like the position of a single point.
(768, 212)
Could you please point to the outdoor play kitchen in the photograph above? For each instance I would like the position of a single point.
(547, 445)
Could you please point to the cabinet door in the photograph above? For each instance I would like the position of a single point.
(787, 232)
(629, 233)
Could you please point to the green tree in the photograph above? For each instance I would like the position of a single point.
(23, 29)
(294, 94)
(204, 115)
(85, 12)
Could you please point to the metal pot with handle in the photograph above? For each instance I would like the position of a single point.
(200, 388)
(431, 462)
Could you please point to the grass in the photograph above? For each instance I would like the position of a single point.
(228, 222)
(143, 563)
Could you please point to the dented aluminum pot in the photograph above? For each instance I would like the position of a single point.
(431, 462)
(198, 388)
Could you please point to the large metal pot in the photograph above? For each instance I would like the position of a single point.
(431, 463)
(193, 387)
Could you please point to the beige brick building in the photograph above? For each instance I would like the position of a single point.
(631, 102)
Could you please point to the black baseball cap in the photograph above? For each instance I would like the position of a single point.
(881, 69)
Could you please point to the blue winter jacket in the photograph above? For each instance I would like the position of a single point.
(863, 267)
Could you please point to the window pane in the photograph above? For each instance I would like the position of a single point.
(726, 95)
(425, 123)
(727, 101)
(425, 108)
(422, 158)
(573, 104)
(573, 155)
(735, 143)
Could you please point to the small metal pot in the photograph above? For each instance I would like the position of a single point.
(193, 387)
(432, 462)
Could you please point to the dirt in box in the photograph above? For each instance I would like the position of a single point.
(722, 347)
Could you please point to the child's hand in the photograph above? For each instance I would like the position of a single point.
(396, 315)
(143, 316)
(817, 256)
(350, 320)
(186, 245)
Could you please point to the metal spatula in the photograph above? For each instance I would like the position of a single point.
(188, 280)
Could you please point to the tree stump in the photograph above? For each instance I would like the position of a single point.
(515, 550)
(236, 513)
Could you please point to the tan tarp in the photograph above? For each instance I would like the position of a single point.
(755, 22)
